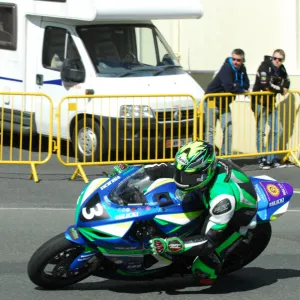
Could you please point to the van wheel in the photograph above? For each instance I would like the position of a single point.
(86, 141)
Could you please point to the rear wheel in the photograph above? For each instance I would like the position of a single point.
(245, 253)
(49, 265)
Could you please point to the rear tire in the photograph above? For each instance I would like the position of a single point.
(59, 252)
(244, 254)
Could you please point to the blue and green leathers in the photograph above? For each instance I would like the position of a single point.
(231, 202)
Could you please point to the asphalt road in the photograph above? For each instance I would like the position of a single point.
(31, 213)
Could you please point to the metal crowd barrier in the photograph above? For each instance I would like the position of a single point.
(239, 126)
(110, 129)
(24, 119)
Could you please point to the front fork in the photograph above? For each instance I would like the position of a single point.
(72, 234)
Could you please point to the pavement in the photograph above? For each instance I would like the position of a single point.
(31, 213)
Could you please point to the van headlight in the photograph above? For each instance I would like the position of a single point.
(136, 111)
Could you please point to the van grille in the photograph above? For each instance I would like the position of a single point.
(167, 115)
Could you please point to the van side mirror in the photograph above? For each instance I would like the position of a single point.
(72, 71)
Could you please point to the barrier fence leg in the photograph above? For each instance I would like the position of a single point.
(81, 174)
(33, 173)
(297, 162)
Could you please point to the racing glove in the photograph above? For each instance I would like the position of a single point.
(118, 169)
(172, 245)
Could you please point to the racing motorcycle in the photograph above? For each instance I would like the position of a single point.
(116, 217)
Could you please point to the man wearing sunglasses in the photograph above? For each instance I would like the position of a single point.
(271, 76)
(231, 78)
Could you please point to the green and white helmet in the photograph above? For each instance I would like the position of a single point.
(195, 165)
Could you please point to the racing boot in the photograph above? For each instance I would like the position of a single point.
(206, 270)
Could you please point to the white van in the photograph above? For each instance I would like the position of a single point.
(66, 47)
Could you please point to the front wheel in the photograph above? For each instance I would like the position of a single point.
(49, 265)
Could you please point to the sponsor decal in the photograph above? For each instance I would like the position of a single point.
(276, 202)
(174, 246)
(125, 248)
(273, 190)
(74, 234)
(282, 188)
(134, 266)
(260, 194)
(108, 183)
(182, 160)
(222, 207)
(118, 262)
(127, 215)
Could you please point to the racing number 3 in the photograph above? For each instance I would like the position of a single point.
(95, 211)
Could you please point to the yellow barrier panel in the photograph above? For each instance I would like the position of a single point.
(294, 132)
(25, 118)
(239, 126)
(109, 129)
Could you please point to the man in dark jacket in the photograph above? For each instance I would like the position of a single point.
(271, 76)
(232, 78)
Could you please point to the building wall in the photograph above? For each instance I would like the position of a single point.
(258, 27)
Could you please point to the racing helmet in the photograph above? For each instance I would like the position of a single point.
(195, 166)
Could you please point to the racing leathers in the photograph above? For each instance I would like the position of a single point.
(231, 203)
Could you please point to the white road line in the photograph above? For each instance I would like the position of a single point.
(296, 192)
(38, 208)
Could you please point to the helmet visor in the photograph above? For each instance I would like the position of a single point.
(186, 178)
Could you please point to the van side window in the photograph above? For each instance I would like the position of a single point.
(8, 27)
(58, 45)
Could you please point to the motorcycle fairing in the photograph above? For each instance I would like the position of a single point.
(273, 197)
(109, 226)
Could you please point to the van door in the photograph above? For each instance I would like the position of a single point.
(58, 46)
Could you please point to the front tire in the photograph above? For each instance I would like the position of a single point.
(59, 252)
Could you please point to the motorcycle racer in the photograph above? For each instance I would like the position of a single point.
(228, 195)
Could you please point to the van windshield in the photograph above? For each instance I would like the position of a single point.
(128, 50)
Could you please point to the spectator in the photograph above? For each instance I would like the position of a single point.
(271, 76)
(232, 78)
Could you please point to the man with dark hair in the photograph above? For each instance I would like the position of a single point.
(271, 76)
(231, 78)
